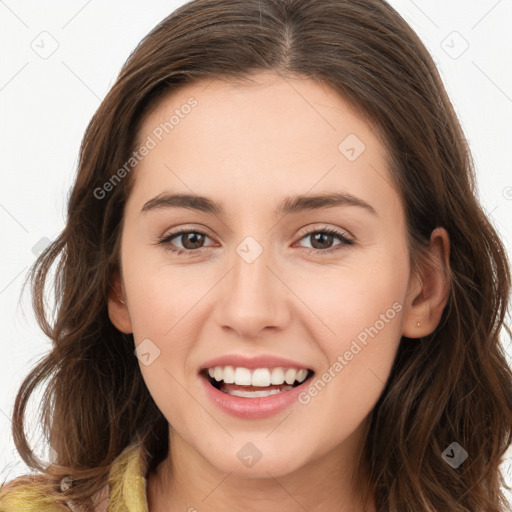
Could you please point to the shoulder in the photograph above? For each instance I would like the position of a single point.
(126, 484)
(29, 493)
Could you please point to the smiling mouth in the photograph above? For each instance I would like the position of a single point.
(256, 384)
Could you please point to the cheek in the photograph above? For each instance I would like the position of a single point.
(359, 359)
(161, 296)
(345, 299)
(161, 311)
(357, 325)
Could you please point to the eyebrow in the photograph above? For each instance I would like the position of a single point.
(289, 205)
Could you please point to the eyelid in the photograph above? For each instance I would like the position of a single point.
(327, 228)
(184, 228)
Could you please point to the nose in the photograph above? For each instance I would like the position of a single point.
(252, 298)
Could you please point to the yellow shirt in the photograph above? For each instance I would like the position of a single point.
(125, 491)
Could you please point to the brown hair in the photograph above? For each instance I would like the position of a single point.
(453, 385)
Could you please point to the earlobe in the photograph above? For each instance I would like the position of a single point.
(428, 293)
(117, 307)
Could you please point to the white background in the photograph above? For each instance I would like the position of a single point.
(46, 104)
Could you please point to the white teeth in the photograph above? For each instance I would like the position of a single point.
(289, 376)
(242, 376)
(261, 377)
(301, 375)
(257, 394)
(277, 376)
(229, 375)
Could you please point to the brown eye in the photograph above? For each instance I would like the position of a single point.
(191, 241)
(322, 240)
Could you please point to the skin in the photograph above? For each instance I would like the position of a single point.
(248, 146)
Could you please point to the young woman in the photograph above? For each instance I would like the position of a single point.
(276, 289)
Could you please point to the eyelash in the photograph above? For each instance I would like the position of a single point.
(191, 252)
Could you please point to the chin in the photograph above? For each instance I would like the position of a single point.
(255, 459)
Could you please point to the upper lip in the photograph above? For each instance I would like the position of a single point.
(261, 361)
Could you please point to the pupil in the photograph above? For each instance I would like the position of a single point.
(189, 237)
(319, 235)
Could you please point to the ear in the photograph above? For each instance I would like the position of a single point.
(117, 307)
(428, 292)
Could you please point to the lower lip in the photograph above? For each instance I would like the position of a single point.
(252, 408)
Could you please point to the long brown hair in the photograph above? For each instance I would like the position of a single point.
(452, 386)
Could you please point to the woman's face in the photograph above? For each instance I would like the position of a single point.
(258, 276)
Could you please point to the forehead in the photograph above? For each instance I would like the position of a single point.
(267, 135)
(266, 100)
